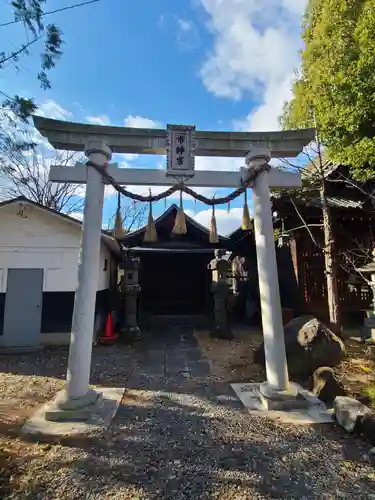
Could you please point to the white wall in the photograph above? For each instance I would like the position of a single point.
(44, 240)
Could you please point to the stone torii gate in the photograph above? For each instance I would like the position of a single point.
(98, 143)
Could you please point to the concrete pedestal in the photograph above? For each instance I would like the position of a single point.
(64, 409)
(290, 399)
(296, 406)
(62, 422)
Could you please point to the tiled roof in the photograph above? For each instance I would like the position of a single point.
(311, 168)
(336, 202)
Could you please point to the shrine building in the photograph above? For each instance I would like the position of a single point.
(174, 276)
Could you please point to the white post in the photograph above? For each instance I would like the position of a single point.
(273, 331)
(79, 363)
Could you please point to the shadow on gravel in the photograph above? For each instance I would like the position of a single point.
(169, 447)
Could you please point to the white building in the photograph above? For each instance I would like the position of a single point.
(39, 252)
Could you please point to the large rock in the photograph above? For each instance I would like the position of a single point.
(326, 386)
(349, 412)
(309, 345)
(367, 424)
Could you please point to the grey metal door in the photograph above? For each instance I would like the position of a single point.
(23, 308)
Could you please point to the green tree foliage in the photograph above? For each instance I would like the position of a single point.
(30, 14)
(336, 84)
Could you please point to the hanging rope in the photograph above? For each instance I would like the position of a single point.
(150, 235)
(246, 222)
(118, 228)
(213, 237)
(180, 187)
(180, 220)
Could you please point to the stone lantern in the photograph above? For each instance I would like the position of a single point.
(369, 323)
(130, 290)
(221, 277)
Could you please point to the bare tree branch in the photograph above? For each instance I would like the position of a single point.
(133, 217)
(25, 173)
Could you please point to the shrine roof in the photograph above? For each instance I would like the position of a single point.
(172, 250)
(342, 193)
(171, 212)
(332, 201)
(328, 167)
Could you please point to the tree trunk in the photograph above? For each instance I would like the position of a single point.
(330, 266)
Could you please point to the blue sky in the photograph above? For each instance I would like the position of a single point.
(216, 64)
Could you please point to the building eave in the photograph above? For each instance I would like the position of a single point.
(108, 240)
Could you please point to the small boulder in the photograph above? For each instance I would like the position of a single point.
(326, 386)
(367, 424)
(309, 344)
(349, 412)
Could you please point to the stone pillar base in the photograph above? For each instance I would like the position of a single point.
(73, 422)
(77, 409)
(290, 399)
(222, 332)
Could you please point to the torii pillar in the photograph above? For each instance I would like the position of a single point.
(277, 389)
(77, 400)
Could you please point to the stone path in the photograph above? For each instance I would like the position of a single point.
(195, 440)
(179, 434)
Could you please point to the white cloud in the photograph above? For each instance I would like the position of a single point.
(226, 222)
(266, 116)
(184, 24)
(140, 122)
(99, 119)
(255, 53)
(218, 163)
(161, 21)
(187, 34)
(77, 215)
(123, 159)
(50, 109)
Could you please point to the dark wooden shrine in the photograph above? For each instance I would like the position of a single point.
(353, 210)
(174, 277)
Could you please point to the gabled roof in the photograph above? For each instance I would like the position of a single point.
(309, 197)
(107, 239)
(161, 219)
(328, 167)
(240, 233)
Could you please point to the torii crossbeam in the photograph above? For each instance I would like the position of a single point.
(99, 142)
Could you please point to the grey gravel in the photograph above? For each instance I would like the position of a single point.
(184, 436)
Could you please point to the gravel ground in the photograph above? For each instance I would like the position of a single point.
(178, 434)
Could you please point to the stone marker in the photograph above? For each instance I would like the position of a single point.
(349, 412)
(326, 386)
